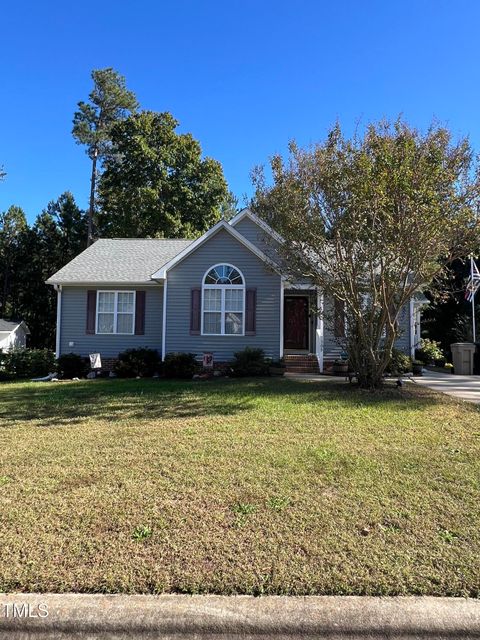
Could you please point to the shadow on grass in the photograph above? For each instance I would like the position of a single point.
(339, 391)
(112, 400)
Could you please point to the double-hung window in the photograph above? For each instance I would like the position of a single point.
(116, 312)
(223, 309)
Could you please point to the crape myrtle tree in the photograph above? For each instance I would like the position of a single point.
(370, 220)
(109, 102)
(156, 183)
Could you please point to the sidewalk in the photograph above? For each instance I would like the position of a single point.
(221, 617)
(461, 387)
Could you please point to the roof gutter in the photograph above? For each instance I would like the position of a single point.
(103, 284)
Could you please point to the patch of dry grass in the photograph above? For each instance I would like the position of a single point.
(252, 486)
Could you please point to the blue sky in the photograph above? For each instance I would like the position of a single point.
(242, 76)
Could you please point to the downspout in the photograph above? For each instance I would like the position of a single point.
(412, 328)
(164, 318)
(282, 286)
(58, 289)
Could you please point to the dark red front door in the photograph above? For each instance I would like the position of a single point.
(295, 327)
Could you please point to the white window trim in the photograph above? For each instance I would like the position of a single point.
(115, 313)
(222, 311)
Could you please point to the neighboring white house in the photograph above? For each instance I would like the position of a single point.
(13, 335)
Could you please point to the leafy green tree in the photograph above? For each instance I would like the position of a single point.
(230, 206)
(109, 102)
(155, 182)
(13, 225)
(371, 220)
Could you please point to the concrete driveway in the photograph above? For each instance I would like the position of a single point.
(460, 387)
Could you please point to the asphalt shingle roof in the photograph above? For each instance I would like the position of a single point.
(119, 260)
(8, 325)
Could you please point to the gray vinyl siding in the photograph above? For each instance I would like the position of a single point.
(403, 341)
(266, 243)
(257, 236)
(333, 346)
(222, 248)
(74, 319)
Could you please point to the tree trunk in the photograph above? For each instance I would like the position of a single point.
(367, 364)
(91, 208)
(369, 359)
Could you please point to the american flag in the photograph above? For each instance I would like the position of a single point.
(473, 283)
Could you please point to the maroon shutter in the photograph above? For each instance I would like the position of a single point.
(250, 312)
(91, 311)
(195, 312)
(140, 313)
(339, 319)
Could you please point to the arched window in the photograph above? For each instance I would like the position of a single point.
(223, 301)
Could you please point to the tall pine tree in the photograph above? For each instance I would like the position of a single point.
(109, 102)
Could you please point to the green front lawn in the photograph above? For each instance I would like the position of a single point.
(240, 486)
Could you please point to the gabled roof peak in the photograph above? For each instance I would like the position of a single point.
(248, 213)
(160, 274)
(10, 325)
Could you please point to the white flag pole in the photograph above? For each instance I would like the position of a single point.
(473, 300)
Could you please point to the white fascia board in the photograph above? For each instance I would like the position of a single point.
(64, 283)
(300, 286)
(162, 272)
(248, 213)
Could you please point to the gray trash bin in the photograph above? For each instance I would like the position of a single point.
(462, 355)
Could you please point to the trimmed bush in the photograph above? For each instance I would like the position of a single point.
(27, 363)
(400, 363)
(429, 351)
(180, 365)
(250, 362)
(72, 365)
(134, 363)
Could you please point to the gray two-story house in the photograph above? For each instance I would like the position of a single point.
(217, 294)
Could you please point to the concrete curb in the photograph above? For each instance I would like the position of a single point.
(219, 617)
